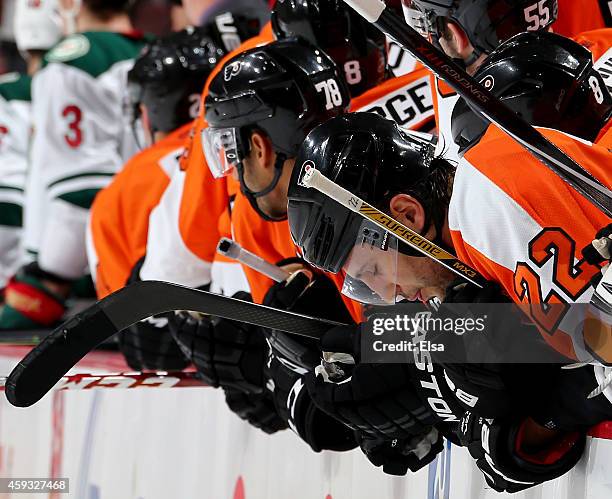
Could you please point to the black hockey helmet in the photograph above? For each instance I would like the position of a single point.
(548, 80)
(487, 23)
(283, 89)
(169, 75)
(373, 159)
(358, 48)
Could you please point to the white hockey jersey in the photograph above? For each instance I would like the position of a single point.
(81, 139)
(15, 127)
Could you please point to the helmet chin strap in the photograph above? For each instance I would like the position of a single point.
(466, 63)
(253, 195)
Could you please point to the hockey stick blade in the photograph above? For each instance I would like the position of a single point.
(59, 352)
(385, 19)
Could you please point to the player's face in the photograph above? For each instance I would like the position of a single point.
(421, 278)
(259, 173)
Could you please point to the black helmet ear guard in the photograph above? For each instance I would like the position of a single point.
(283, 90)
(367, 155)
(548, 80)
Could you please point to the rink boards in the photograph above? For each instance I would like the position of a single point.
(185, 444)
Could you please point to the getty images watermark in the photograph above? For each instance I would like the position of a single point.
(456, 333)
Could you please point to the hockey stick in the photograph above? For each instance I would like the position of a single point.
(313, 178)
(231, 249)
(159, 379)
(375, 12)
(47, 363)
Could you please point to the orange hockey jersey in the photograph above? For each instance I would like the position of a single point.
(576, 17)
(120, 213)
(194, 203)
(519, 224)
(407, 100)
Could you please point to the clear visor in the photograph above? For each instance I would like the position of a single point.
(220, 150)
(371, 267)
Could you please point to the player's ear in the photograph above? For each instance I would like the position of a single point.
(457, 40)
(261, 150)
(408, 210)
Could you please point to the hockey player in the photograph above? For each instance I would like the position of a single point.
(469, 30)
(267, 97)
(407, 99)
(498, 188)
(35, 32)
(264, 183)
(165, 85)
(81, 139)
(187, 258)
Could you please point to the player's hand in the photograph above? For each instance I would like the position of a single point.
(507, 464)
(379, 399)
(258, 409)
(149, 345)
(397, 456)
(307, 292)
(226, 353)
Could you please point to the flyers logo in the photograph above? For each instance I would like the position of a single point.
(488, 82)
(232, 70)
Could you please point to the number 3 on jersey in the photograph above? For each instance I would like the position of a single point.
(73, 116)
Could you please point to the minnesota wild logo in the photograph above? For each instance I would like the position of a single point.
(71, 48)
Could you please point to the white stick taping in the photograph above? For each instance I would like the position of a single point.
(233, 250)
(370, 10)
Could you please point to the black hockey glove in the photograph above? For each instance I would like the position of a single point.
(565, 405)
(257, 409)
(495, 445)
(378, 400)
(149, 344)
(317, 297)
(397, 456)
(319, 430)
(226, 353)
